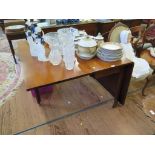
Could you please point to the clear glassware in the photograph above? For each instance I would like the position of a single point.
(32, 46)
(40, 50)
(55, 56)
(67, 45)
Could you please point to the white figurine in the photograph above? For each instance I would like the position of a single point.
(141, 66)
(40, 51)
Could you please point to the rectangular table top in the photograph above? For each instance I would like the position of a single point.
(37, 74)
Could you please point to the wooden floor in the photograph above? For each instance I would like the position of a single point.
(80, 106)
(63, 110)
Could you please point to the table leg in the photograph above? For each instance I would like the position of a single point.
(37, 95)
(118, 88)
(145, 86)
(12, 50)
(115, 103)
(116, 82)
(127, 74)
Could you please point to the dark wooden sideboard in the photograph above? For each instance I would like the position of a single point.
(92, 28)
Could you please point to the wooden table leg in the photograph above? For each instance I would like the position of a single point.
(127, 74)
(116, 82)
(145, 86)
(115, 103)
(37, 95)
(118, 88)
(113, 83)
(12, 50)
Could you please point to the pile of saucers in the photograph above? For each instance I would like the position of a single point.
(110, 51)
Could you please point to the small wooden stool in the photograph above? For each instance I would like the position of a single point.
(13, 33)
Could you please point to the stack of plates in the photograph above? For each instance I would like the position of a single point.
(110, 52)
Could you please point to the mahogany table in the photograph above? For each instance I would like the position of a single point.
(114, 76)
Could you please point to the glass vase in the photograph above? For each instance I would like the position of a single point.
(66, 38)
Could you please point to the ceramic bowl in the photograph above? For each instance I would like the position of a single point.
(90, 50)
(85, 56)
(87, 45)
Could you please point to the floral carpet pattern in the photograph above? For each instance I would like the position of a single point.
(4, 45)
(10, 76)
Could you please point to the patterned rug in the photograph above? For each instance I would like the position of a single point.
(4, 45)
(10, 76)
